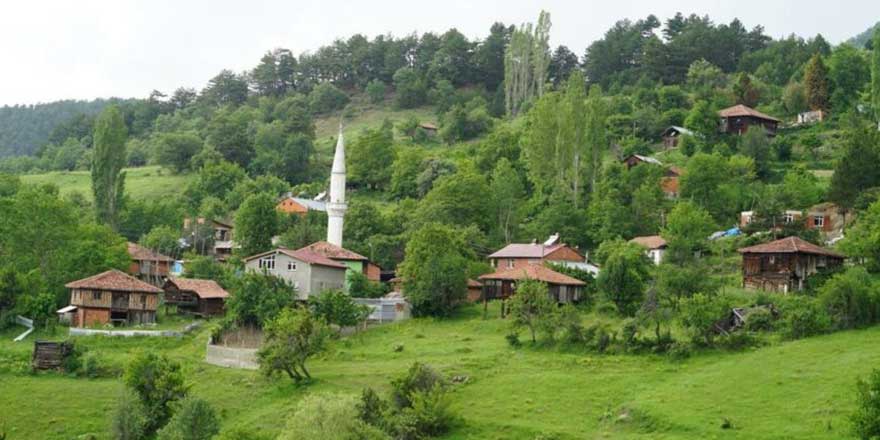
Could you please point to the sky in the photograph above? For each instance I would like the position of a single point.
(88, 49)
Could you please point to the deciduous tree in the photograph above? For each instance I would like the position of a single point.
(108, 179)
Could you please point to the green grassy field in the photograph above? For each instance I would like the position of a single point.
(801, 389)
(149, 183)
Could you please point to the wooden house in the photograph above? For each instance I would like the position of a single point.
(502, 284)
(655, 247)
(525, 254)
(783, 265)
(739, 118)
(673, 134)
(636, 159)
(219, 236)
(113, 297)
(199, 297)
(353, 260)
(147, 265)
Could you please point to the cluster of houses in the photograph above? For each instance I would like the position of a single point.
(120, 298)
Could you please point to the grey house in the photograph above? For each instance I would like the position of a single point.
(309, 273)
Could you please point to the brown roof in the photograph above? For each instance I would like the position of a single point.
(669, 185)
(526, 250)
(789, 245)
(113, 280)
(474, 283)
(333, 252)
(533, 272)
(140, 253)
(650, 241)
(305, 255)
(202, 288)
(741, 110)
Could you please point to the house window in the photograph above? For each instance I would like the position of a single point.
(510, 263)
(291, 266)
(267, 263)
(818, 221)
(96, 296)
(143, 300)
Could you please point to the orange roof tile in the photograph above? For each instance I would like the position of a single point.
(741, 110)
(789, 245)
(141, 253)
(533, 272)
(113, 280)
(333, 252)
(202, 288)
(650, 241)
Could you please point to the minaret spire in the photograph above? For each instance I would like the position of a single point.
(337, 206)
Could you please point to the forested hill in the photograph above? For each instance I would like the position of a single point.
(23, 128)
(863, 39)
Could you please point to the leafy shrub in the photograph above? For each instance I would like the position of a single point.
(803, 317)
(760, 320)
(194, 419)
(326, 97)
(699, 313)
(371, 408)
(338, 308)
(93, 365)
(850, 298)
(129, 419)
(738, 340)
(157, 382)
(330, 417)
(679, 350)
(513, 339)
(429, 414)
(866, 419)
(376, 91)
(420, 377)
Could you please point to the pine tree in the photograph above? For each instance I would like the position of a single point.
(745, 91)
(816, 83)
(108, 179)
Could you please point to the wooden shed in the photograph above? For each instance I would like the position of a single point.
(199, 297)
(739, 118)
(113, 297)
(502, 284)
(783, 265)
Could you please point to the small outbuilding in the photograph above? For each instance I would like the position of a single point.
(784, 265)
(655, 247)
(199, 297)
(739, 118)
(673, 134)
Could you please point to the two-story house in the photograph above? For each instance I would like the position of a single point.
(308, 272)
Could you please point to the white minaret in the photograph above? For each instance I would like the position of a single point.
(336, 208)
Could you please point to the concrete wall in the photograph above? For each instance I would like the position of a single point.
(327, 278)
(244, 358)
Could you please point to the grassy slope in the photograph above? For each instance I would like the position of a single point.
(150, 182)
(800, 389)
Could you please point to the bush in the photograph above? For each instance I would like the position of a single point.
(803, 317)
(866, 419)
(419, 378)
(93, 365)
(679, 350)
(325, 98)
(429, 414)
(194, 419)
(330, 417)
(338, 308)
(129, 419)
(760, 320)
(376, 91)
(850, 298)
(157, 382)
(513, 340)
(698, 315)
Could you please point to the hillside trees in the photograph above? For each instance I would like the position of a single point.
(875, 75)
(256, 298)
(371, 156)
(816, 83)
(108, 179)
(854, 171)
(532, 307)
(745, 91)
(526, 63)
(176, 150)
(624, 276)
(290, 339)
(507, 190)
(256, 222)
(849, 73)
(686, 232)
(157, 382)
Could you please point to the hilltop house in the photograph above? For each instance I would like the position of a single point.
(783, 265)
(635, 159)
(655, 247)
(308, 272)
(298, 205)
(199, 297)
(520, 254)
(147, 265)
(112, 297)
(354, 261)
(737, 120)
(502, 284)
(673, 134)
(669, 181)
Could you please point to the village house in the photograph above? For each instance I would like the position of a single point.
(673, 134)
(655, 247)
(195, 296)
(147, 265)
(737, 120)
(810, 117)
(308, 272)
(636, 159)
(524, 254)
(784, 265)
(217, 241)
(788, 216)
(112, 297)
(826, 218)
(354, 261)
(298, 205)
(669, 181)
(502, 284)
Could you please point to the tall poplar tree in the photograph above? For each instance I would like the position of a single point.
(816, 83)
(108, 179)
(875, 75)
(526, 63)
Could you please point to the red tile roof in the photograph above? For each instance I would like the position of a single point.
(334, 252)
(305, 255)
(789, 245)
(113, 280)
(526, 250)
(140, 253)
(669, 185)
(202, 288)
(533, 272)
(650, 241)
(474, 283)
(741, 110)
